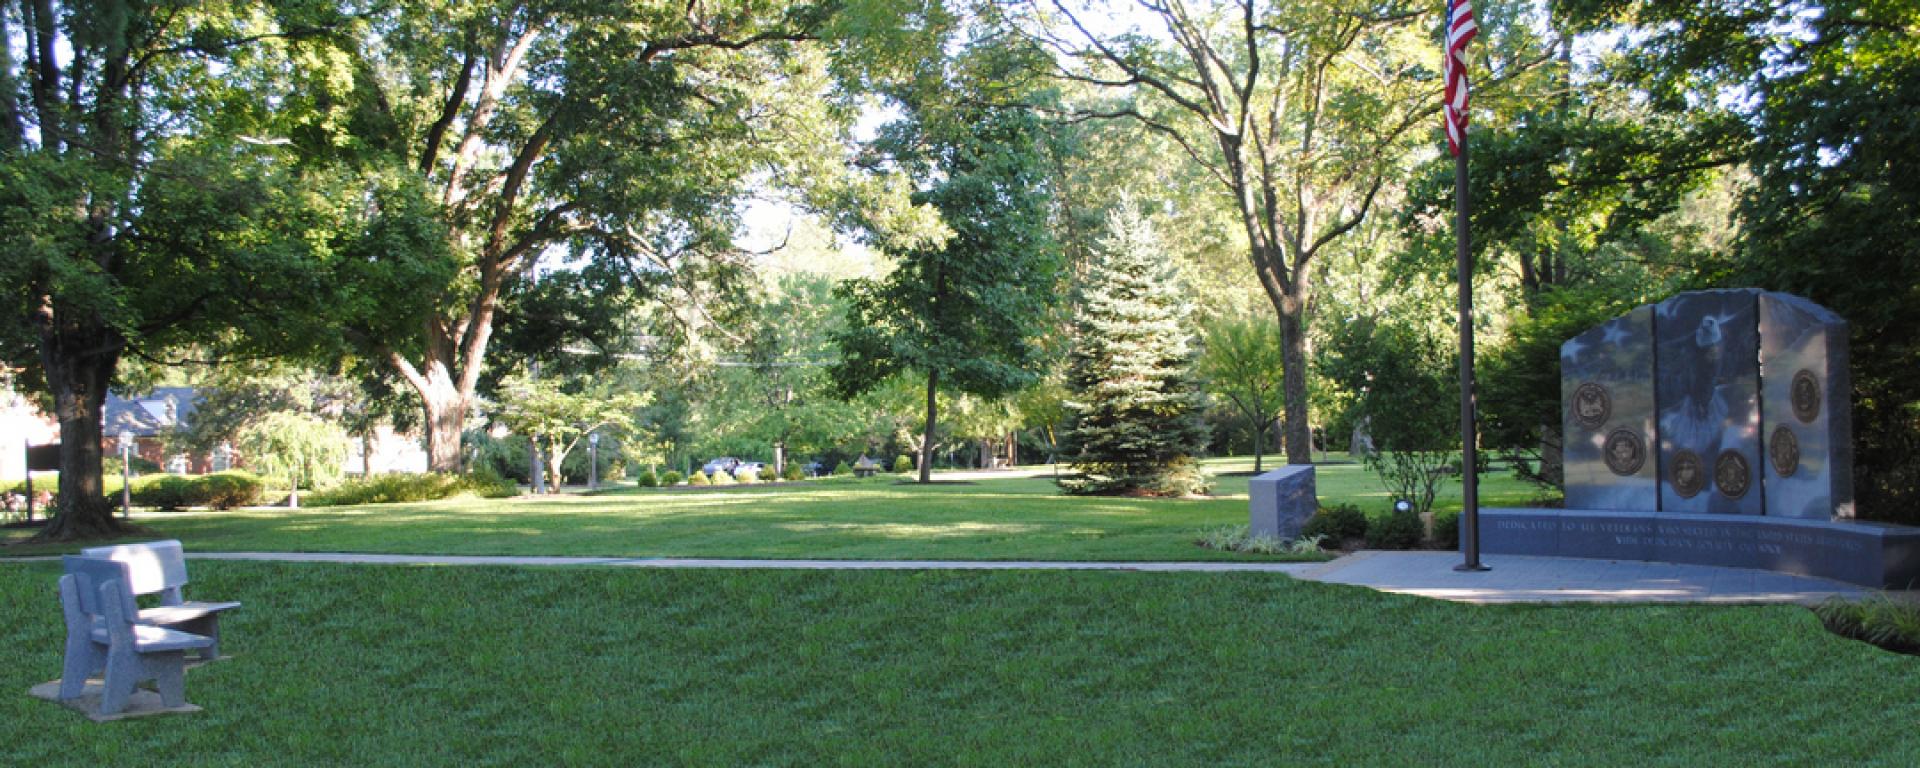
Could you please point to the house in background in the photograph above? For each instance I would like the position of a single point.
(20, 424)
(150, 417)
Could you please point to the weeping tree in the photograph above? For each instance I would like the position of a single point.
(296, 448)
(1136, 404)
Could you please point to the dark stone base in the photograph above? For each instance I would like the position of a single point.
(1877, 555)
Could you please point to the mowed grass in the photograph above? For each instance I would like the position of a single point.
(876, 518)
(989, 519)
(399, 665)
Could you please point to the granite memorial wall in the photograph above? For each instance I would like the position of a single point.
(1711, 428)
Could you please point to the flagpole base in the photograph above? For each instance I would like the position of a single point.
(1471, 568)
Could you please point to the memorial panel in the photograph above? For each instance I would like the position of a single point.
(1805, 409)
(1606, 382)
(1707, 389)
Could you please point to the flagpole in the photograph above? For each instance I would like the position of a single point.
(1469, 454)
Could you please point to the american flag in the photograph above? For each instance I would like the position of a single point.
(1460, 30)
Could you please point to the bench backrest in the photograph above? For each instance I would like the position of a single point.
(89, 575)
(152, 567)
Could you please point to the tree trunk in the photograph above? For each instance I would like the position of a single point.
(79, 360)
(1293, 376)
(366, 454)
(1259, 444)
(556, 454)
(446, 413)
(926, 434)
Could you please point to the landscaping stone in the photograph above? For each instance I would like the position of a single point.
(1281, 501)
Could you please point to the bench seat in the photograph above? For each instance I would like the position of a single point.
(172, 615)
(151, 639)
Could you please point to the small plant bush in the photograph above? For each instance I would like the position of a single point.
(230, 489)
(794, 473)
(724, 478)
(1887, 623)
(1446, 530)
(746, 476)
(842, 468)
(648, 479)
(1239, 538)
(902, 465)
(1398, 530)
(699, 477)
(1337, 524)
(670, 478)
(488, 483)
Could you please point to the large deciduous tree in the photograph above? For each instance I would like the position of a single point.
(136, 213)
(620, 132)
(962, 312)
(1300, 112)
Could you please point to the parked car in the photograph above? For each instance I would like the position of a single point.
(722, 464)
(814, 468)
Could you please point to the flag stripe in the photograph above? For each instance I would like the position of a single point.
(1461, 30)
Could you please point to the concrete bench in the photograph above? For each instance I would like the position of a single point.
(102, 636)
(160, 567)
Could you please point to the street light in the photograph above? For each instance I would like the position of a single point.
(126, 483)
(1402, 506)
(593, 460)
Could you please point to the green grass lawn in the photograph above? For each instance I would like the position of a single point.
(387, 665)
(876, 518)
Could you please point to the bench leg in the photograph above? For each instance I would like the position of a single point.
(83, 658)
(123, 673)
(170, 677)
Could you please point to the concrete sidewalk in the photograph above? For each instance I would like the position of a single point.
(1519, 579)
(1513, 579)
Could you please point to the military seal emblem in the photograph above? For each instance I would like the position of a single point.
(1625, 452)
(1592, 406)
(1806, 397)
(1783, 448)
(1689, 477)
(1731, 474)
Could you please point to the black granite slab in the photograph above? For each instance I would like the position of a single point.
(1607, 418)
(1805, 409)
(1869, 554)
(1707, 386)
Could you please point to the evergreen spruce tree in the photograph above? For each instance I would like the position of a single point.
(1136, 403)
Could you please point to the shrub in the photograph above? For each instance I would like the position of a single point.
(1398, 530)
(670, 478)
(746, 476)
(1446, 530)
(400, 488)
(648, 479)
(487, 483)
(723, 478)
(230, 489)
(902, 465)
(843, 468)
(165, 492)
(699, 477)
(1338, 524)
(794, 472)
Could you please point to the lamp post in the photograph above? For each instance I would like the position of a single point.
(126, 483)
(593, 460)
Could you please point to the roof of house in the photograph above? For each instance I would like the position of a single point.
(150, 414)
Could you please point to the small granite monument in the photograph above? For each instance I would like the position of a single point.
(1712, 428)
(1281, 501)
